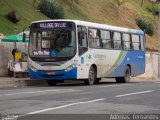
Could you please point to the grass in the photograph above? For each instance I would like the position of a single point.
(107, 12)
(101, 11)
(26, 11)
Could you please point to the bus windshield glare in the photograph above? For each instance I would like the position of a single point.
(52, 41)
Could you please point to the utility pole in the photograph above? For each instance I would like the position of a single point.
(142, 1)
(159, 44)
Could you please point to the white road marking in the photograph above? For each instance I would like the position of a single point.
(114, 85)
(63, 106)
(157, 82)
(11, 94)
(135, 93)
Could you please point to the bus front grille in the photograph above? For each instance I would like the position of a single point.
(51, 76)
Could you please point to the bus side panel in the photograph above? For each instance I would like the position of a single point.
(136, 60)
(102, 59)
(84, 64)
(83, 72)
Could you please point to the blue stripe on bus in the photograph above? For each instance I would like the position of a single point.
(135, 59)
(53, 75)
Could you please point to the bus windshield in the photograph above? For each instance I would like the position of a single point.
(50, 42)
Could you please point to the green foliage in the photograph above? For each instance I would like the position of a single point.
(120, 2)
(36, 2)
(145, 26)
(26, 11)
(77, 1)
(51, 9)
(153, 8)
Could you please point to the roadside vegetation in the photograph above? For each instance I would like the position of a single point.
(124, 13)
(146, 26)
(26, 11)
(51, 9)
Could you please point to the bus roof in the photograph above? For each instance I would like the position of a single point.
(97, 25)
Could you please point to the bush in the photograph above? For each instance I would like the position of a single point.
(153, 9)
(51, 9)
(145, 26)
(13, 16)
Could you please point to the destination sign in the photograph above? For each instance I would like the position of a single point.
(41, 52)
(53, 25)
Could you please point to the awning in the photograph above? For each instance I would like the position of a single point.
(14, 38)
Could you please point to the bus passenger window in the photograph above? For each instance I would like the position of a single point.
(94, 38)
(106, 39)
(127, 41)
(135, 42)
(117, 40)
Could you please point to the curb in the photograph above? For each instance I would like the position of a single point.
(6, 82)
(20, 82)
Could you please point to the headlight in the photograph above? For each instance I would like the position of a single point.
(70, 67)
(32, 68)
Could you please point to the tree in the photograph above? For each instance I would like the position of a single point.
(153, 8)
(72, 1)
(142, 1)
(145, 26)
(154, 1)
(77, 1)
(72, 4)
(51, 9)
(35, 3)
(120, 2)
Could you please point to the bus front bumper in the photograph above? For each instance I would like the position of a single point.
(53, 75)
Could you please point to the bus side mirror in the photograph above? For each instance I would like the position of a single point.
(24, 37)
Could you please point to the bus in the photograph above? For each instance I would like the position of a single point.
(79, 50)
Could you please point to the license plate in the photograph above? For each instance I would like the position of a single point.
(50, 73)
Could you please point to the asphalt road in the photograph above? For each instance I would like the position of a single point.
(76, 100)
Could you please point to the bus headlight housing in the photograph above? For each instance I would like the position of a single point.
(71, 67)
(32, 68)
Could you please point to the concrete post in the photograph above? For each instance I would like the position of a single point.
(159, 44)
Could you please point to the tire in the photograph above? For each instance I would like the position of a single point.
(51, 82)
(91, 77)
(98, 80)
(126, 77)
(10, 73)
(119, 79)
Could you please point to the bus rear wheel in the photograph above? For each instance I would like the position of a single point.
(126, 77)
(91, 77)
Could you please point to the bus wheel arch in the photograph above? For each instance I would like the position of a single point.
(130, 69)
(127, 75)
(92, 75)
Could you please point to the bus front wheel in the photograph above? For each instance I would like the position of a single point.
(91, 77)
(126, 77)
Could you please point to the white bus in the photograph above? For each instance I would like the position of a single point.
(78, 50)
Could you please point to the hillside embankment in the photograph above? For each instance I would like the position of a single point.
(151, 71)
